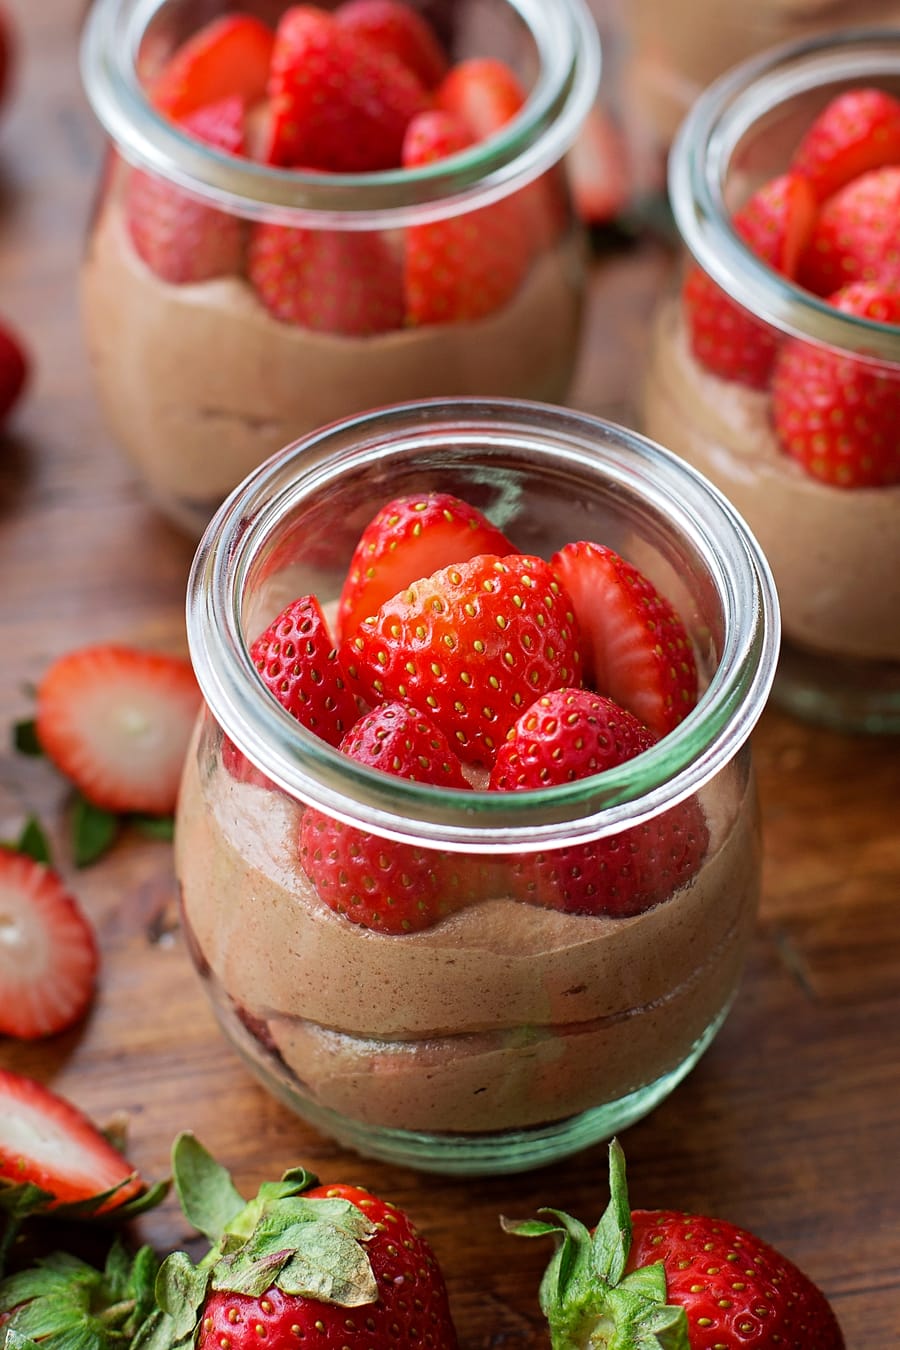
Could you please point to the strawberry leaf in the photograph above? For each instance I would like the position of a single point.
(93, 831)
(33, 841)
(205, 1190)
(25, 738)
(154, 827)
(180, 1290)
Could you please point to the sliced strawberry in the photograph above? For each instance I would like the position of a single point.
(776, 224)
(598, 169)
(473, 645)
(298, 664)
(858, 131)
(467, 265)
(337, 102)
(48, 958)
(839, 416)
(569, 734)
(117, 722)
(14, 368)
(47, 1141)
(394, 27)
(636, 648)
(180, 238)
(384, 885)
(409, 538)
(333, 281)
(229, 56)
(856, 235)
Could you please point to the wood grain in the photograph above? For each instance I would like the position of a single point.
(791, 1123)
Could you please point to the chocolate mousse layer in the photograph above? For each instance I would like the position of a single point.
(835, 552)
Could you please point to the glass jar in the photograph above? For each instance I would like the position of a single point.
(507, 1034)
(200, 380)
(834, 551)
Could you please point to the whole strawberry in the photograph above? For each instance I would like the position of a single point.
(661, 1280)
(330, 1266)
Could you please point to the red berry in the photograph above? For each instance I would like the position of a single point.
(856, 236)
(14, 370)
(858, 131)
(228, 57)
(598, 169)
(394, 27)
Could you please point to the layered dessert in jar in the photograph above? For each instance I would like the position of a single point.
(467, 869)
(301, 220)
(775, 369)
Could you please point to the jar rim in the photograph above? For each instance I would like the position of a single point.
(313, 771)
(698, 170)
(569, 54)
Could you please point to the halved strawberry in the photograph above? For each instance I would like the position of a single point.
(117, 721)
(14, 367)
(384, 885)
(839, 416)
(333, 281)
(180, 238)
(570, 734)
(857, 131)
(409, 538)
(394, 27)
(776, 223)
(856, 236)
(467, 265)
(48, 957)
(471, 645)
(636, 648)
(337, 102)
(229, 56)
(598, 169)
(47, 1141)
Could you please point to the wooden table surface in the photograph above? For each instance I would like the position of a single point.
(791, 1123)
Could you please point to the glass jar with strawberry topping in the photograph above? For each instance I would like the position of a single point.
(312, 210)
(775, 370)
(467, 841)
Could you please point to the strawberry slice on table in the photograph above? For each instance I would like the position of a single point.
(117, 720)
(776, 224)
(648, 1279)
(180, 238)
(49, 1143)
(347, 282)
(337, 101)
(857, 131)
(570, 734)
(472, 645)
(228, 57)
(598, 170)
(48, 958)
(839, 416)
(381, 884)
(394, 27)
(856, 235)
(636, 647)
(14, 370)
(411, 537)
(464, 266)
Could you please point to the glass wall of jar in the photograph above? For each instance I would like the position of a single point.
(232, 304)
(789, 400)
(524, 1012)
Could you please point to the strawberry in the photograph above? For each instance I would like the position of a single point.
(473, 645)
(47, 1142)
(337, 101)
(837, 415)
(776, 224)
(396, 28)
(636, 647)
(409, 538)
(14, 369)
(663, 1280)
(228, 57)
(8, 54)
(466, 265)
(598, 170)
(117, 722)
(856, 235)
(332, 281)
(569, 734)
(381, 884)
(332, 1266)
(180, 238)
(857, 131)
(48, 959)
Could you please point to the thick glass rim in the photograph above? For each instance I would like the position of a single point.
(312, 771)
(698, 171)
(568, 48)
